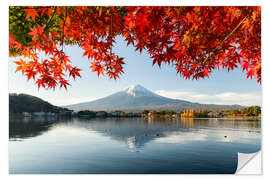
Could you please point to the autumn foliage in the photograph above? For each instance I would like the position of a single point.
(195, 40)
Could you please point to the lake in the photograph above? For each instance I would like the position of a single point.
(129, 145)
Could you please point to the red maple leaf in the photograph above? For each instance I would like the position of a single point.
(245, 65)
(21, 65)
(63, 83)
(75, 72)
(250, 73)
(31, 13)
(36, 32)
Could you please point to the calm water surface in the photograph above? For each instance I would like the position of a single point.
(129, 145)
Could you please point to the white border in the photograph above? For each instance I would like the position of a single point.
(4, 81)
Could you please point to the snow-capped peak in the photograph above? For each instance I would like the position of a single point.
(138, 90)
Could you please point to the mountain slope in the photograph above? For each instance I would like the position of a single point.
(137, 97)
(19, 103)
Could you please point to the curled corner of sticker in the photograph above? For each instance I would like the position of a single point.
(249, 164)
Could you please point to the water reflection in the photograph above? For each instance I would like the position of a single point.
(135, 133)
(187, 122)
(27, 127)
(129, 145)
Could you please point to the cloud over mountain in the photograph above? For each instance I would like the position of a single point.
(225, 98)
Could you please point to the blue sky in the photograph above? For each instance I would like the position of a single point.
(221, 87)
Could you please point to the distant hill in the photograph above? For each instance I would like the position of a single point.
(19, 103)
(136, 97)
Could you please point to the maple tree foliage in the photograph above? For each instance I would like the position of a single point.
(195, 40)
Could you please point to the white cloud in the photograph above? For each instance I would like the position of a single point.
(226, 98)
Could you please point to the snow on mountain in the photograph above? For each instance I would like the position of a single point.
(138, 90)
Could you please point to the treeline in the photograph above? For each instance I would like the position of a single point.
(88, 114)
(249, 111)
(19, 103)
(162, 113)
(252, 111)
(171, 113)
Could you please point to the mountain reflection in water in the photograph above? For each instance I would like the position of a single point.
(151, 137)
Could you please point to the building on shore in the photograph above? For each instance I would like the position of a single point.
(50, 114)
(39, 113)
(26, 114)
(101, 114)
(215, 114)
(117, 113)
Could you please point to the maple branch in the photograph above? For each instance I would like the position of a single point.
(62, 36)
(62, 41)
(111, 31)
(229, 35)
(49, 21)
(243, 20)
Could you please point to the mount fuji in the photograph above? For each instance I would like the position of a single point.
(136, 97)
